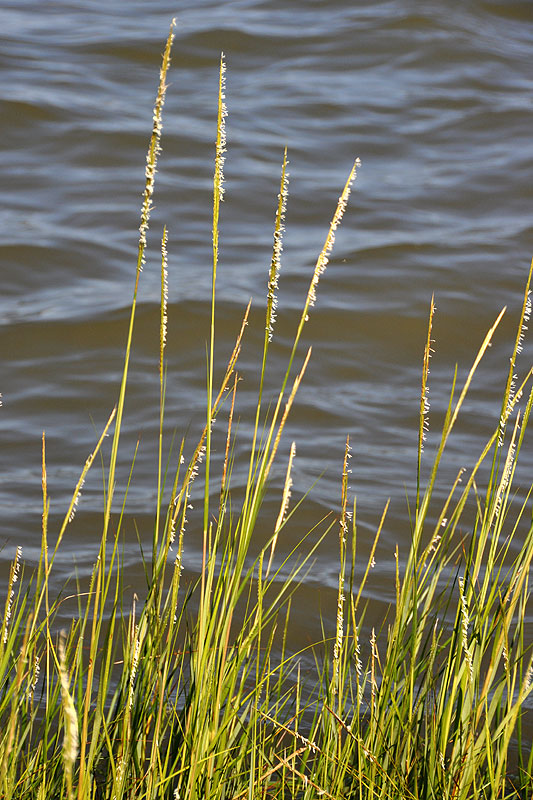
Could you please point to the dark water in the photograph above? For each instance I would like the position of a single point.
(436, 100)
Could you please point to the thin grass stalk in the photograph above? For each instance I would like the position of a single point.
(42, 568)
(283, 508)
(272, 303)
(180, 499)
(154, 149)
(162, 342)
(151, 163)
(218, 193)
(275, 265)
(482, 350)
(525, 315)
(423, 426)
(224, 482)
(322, 261)
(336, 684)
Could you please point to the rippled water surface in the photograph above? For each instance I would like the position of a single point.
(436, 100)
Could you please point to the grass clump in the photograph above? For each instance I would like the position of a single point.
(194, 693)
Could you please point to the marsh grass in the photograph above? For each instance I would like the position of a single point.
(194, 691)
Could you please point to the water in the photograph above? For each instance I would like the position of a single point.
(435, 100)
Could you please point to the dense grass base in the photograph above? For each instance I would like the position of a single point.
(195, 691)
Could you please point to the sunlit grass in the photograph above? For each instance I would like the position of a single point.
(196, 692)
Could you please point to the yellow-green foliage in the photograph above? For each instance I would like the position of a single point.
(185, 695)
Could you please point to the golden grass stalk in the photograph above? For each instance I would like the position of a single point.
(70, 717)
(275, 264)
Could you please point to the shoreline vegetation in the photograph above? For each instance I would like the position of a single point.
(194, 693)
